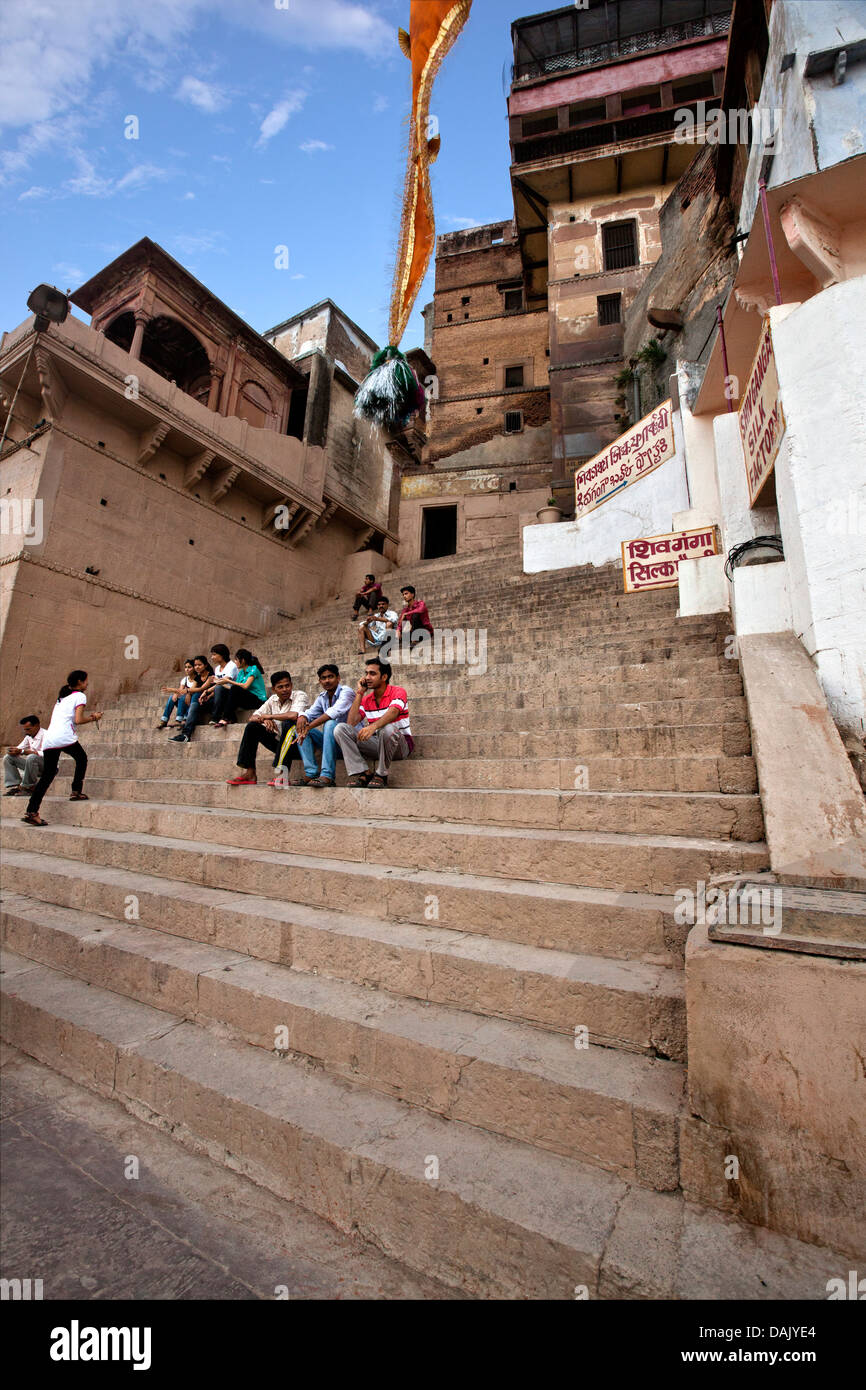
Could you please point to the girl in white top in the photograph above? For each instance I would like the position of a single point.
(61, 736)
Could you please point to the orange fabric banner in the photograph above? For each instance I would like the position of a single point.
(433, 27)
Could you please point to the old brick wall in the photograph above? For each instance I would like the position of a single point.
(473, 343)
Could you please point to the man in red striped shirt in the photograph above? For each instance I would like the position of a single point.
(377, 727)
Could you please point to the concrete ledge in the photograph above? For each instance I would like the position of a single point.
(814, 810)
(775, 1043)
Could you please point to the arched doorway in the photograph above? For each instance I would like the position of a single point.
(169, 348)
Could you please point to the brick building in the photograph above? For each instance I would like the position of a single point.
(529, 316)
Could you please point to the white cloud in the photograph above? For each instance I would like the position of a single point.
(463, 222)
(139, 176)
(35, 192)
(317, 24)
(193, 244)
(313, 146)
(186, 197)
(297, 277)
(380, 103)
(204, 95)
(279, 114)
(69, 273)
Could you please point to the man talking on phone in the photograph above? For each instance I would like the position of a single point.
(377, 727)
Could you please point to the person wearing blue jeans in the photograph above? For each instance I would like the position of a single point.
(179, 696)
(317, 727)
(203, 675)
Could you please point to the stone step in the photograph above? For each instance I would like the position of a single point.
(547, 988)
(658, 864)
(691, 772)
(713, 814)
(502, 1219)
(490, 742)
(615, 1110)
(626, 939)
(589, 713)
(671, 689)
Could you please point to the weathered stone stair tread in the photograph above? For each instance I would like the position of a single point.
(553, 808)
(502, 1219)
(571, 1101)
(386, 849)
(540, 985)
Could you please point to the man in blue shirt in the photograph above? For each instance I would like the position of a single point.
(317, 726)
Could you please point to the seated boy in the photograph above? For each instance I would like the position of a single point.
(268, 725)
(372, 631)
(367, 596)
(377, 727)
(318, 725)
(24, 763)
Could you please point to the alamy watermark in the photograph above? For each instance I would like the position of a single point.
(720, 127)
(749, 904)
(22, 516)
(445, 647)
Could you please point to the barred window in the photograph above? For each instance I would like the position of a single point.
(619, 242)
(609, 308)
(513, 421)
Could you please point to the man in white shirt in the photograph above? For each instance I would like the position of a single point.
(269, 725)
(375, 628)
(22, 766)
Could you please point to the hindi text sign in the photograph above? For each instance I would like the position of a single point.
(762, 423)
(628, 459)
(652, 562)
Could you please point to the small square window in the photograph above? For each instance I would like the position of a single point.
(513, 300)
(449, 318)
(513, 376)
(609, 308)
(513, 421)
(478, 409)
(485, 362)
(465, 299)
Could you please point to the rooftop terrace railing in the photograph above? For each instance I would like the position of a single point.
(573, 59)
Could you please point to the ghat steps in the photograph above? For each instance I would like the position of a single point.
(369, 1001)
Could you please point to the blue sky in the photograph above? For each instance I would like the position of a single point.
(257, 127)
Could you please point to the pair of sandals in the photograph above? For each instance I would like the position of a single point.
(367, 779)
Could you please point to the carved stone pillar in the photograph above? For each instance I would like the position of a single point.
(216, 381)
(142, 318)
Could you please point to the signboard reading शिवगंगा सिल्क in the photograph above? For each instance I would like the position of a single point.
(762, 423)
(628, 459)
(653, 561)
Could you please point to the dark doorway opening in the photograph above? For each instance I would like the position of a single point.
(438, 532)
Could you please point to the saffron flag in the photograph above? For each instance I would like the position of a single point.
(433, 28)
(390, 393)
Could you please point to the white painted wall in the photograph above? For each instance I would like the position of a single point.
(818, 124)
(644, 509)
(821, 487)
(738, 522)
(761, 601)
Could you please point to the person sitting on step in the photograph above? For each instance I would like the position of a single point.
(372, 631)
(317, 726)
(22, 766)
(269, 725)
(413, 616)
(244, 691)
(367, 596)
(377, 727)
(203, 674)
(179, 696)
(61, 736)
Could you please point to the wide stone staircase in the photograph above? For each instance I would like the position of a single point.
(447, 1016)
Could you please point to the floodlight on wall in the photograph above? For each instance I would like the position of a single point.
(49, 305)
